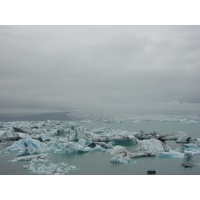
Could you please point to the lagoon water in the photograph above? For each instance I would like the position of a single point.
(98, 163)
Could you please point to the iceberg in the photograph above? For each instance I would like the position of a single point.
(122, 151)
(122, 139)
(77, 134)
(98, 148)
(190, 148)
(26, 146)
(186, 140)
(84, 142)
(187, 160)
(105, 145)
(188, 121)
(101, 138)
(172, 136)
(171, 154)
(120, 160)
(153, 145)
(9, 135)
(143, 136)
(65, 147)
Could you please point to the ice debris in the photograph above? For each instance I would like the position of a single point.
(51, 168)
(38, 157)
(187, 160)
(120, 160)
(188, 121)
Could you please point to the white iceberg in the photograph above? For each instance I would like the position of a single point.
(77, 134)
(153, 145)
(120, 160)
(122, 151)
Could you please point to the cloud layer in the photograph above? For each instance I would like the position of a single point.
(120, 68)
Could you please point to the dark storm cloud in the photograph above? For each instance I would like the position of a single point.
(100, 67)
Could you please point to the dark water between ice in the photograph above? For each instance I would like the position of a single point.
(98, 163)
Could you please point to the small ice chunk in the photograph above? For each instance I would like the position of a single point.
(120, 160)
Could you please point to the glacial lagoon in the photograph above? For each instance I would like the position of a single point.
(67, 145)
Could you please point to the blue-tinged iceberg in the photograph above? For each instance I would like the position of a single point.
(190, 148)
(171, 154)
(26, 146)
(123, 140)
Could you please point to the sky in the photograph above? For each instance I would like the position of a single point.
(99, 68)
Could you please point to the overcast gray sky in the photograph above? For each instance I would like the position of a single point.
(119, 68)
